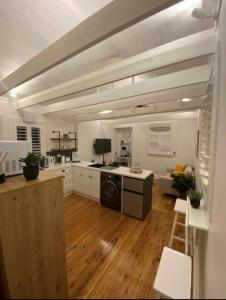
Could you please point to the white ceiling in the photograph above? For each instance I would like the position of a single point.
(27, 27)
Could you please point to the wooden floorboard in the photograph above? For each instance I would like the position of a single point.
(112, 256)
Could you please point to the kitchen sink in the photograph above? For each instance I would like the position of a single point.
(101, 166)
(96, 166)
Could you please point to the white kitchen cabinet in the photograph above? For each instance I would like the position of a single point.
(86, 182)
(94, 183)
(79, 180)
(67, 173)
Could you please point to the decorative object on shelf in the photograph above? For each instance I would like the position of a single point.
(195, 198)
(57, 131)
(65, 136)
(31, 168)
(182, 183)
(58, 153)
(73, 132)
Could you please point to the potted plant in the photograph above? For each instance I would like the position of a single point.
(195, 198)
(182, 183)
(31, 168)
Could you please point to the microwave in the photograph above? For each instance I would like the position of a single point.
(125, 148)
(15, 150)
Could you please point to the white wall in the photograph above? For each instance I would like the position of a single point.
(9, 116)
(184, 147)
(184, 137)
(87, 133)
(212, 248)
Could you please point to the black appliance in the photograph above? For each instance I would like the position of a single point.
(110, 192)
(102, 146)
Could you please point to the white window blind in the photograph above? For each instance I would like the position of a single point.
(36, 140)
(204, 144)
(21, 132)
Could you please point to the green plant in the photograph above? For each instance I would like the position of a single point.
(194, 195)
(182, 183)
(31, 160)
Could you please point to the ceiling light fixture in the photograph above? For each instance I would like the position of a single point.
(105, 112)
(186, 99)
(12, 94)
(141, 106)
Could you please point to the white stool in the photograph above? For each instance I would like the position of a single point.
(173, 279)
(180, 207)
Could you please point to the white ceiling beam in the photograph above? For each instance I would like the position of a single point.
(160, 83)
(111, 19)
(157, 108)
(190, 91)
(195, 45)
(157, 117)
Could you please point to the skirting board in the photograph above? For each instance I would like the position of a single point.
(86, 196)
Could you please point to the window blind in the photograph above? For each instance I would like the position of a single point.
(204, 144)
(21, 132)
(36, 140)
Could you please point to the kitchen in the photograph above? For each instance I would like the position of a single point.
(110, 185)
(100, 111)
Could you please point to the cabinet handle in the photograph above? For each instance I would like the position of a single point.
(63, 170)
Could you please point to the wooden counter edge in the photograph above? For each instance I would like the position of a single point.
(18, 182)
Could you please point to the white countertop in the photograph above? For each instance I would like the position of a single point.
(119, 171)
(59, 166)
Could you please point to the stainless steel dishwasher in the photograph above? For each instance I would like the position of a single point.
(137, 196)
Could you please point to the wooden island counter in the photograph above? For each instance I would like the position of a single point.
(32, 246)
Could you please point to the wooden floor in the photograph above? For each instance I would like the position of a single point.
(110, 255)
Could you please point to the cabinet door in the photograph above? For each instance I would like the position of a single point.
(80, 180)
(67, 173)
(94, 187)
(75, 178)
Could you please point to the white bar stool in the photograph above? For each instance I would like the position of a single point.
(181, 207)
(173, 279)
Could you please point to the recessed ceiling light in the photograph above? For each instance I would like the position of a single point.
(12, 94)
(186, 99)
(105, 112)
